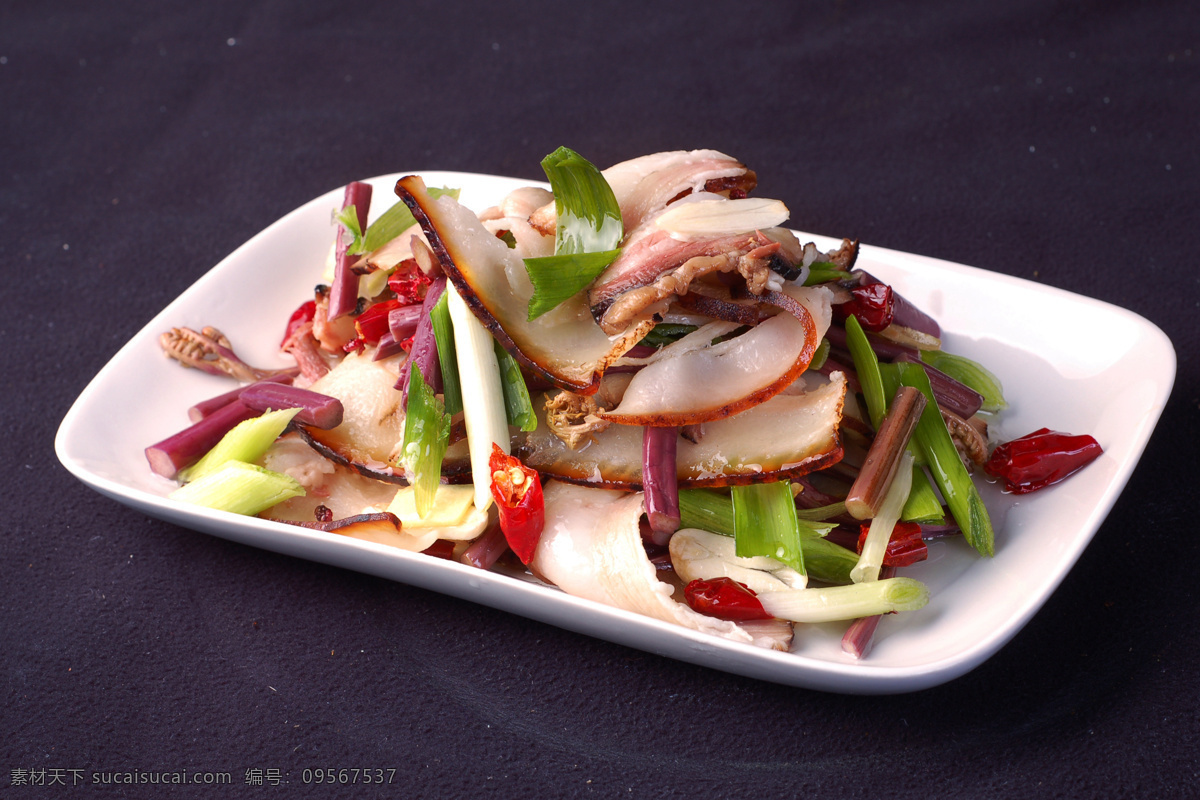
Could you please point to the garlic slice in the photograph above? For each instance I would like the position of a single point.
(701, 555)
(710, 215)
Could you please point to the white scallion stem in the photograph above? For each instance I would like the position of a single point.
(240, 488)
(247, 441)
(874, 549)
(836, 603)
(482, 393)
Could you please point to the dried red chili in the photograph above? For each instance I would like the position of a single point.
(724, 598)
(305, 313)
(373, 323)
(409, 282)
(873, 305)
(905, 547)
(1040, 459)
(517, 490)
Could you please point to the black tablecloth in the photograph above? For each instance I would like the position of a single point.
(142, 142)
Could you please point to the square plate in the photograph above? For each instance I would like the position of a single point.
(1066, 362)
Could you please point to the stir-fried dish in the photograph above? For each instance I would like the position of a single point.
(637, 386)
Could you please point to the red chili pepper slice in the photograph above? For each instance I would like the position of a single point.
(409, 282)
(373, 323)
(1041, 458)
(305, 313)
(905, 547)
(724, 598)
(872, 305)
(517, 490)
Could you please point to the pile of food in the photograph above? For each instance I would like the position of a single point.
(637, 385)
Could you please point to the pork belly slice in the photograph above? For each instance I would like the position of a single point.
(790, 435)
(592, 548)
(691, 382)
(372, 420)
(564, 346)
(645, 185)
(658, 245)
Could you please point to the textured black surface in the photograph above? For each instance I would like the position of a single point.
(142, 142)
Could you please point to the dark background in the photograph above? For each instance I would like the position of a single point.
(140, 143)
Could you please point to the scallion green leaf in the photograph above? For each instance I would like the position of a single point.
(247, 441)
(765, 524)
(426, 437)
(946, 466)
(923, 504)
(825, 561)
(391, 223)
(348, 217)
(240, 488)
(589, 219)
(588, 231)
(443, 333)
(517, 405)
(666, 333)
(821, 513)
(558, 278)
(818, 359)
(824, 272)
(712, 510)
(866, 364)
(971, 373)
(706, 509)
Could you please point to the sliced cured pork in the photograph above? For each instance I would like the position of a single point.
(592, 548)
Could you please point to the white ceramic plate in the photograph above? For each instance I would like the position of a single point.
(1067, 362)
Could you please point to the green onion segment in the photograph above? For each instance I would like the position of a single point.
(821, 513)
(443, 334)
(971, 373)
(557, 278)
(588, 231)
(712, 510)
(866, 364)
(589, 219)
(706, 509)
(665, 333)
(484, 413)
(517, 405)
(923, 504)
(946, 467)
(765, 524)
(247, 441)
(837, 603)
(390, 224)
(426, 437)
(348, 217)
(240, 488)
(880, 531)
(818, 359)
(824, 272)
